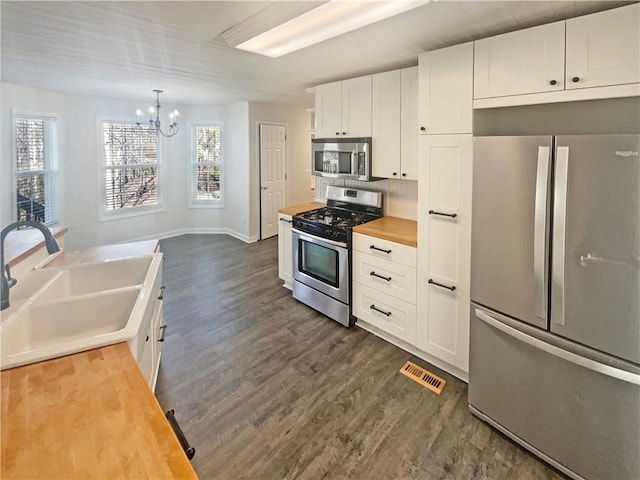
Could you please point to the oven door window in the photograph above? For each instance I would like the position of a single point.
(319, 262)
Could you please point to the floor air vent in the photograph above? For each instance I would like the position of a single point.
(423, 377)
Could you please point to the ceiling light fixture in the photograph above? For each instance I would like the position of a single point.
(326, 21)
(155, 124)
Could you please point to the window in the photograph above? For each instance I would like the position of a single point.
(130, 164)
(35, 167)
(206, 165)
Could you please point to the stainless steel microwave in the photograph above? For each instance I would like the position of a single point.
(348, 158)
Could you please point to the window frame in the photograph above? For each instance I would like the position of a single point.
(52, 164)
(103, 213)
(191, 164)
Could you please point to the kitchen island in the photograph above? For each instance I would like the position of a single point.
(87, 415)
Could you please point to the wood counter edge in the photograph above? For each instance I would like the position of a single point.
(34, 414)
(394, 229)
(303, 207)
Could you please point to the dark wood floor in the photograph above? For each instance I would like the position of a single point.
(266, 388)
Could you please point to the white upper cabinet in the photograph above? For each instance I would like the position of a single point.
(588, 57)
(394, 122)
(409, 123)
(445, 91)
(356, 107)
(604, 48)
(385, 124)
(525, 61)
(329, 110)
(343, 109)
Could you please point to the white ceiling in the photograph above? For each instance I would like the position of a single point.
(125, 49)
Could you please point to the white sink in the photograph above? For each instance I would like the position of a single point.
(62, 310)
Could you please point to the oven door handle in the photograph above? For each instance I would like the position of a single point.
(313, 238)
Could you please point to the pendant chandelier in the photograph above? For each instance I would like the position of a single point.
(155, 124)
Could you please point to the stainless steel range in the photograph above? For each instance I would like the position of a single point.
(322, 250)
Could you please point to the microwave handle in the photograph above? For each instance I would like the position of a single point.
(354, 162)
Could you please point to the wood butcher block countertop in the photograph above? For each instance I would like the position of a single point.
(394, 229)
(304, 207)
(87, 415)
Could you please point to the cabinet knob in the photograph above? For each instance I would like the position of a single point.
(422, 129)
(553, 82)
(404, 174)
(337, 134)
(344, 133)
(395, 174)
(575, 79)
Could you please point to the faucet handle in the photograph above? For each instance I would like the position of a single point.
(11, 281)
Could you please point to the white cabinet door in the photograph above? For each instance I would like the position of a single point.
(385, 312)
(385, 124)
(384, 276)
(329, 110)
(446, 90)
(409, 123)
(285, 250)
(444, 246)
(147, 359)
(525, 61)
(356, 107)
(604, 48)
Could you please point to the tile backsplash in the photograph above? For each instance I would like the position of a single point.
(400, 196)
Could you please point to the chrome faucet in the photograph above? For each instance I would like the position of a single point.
(7, 281)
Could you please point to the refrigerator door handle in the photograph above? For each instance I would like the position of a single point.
(559, 352)
(540, 233)
(559, 230)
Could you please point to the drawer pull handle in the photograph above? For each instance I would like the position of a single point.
(373, 247)
(374, 274)
(184, 443)
(161, 296)
(164, 329)
(373, 307)
(450, 215)
(452, 288)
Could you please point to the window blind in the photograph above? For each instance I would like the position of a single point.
(130, 165)
(36, 150)
(207, 164)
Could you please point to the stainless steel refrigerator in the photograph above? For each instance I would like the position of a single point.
(555, 310)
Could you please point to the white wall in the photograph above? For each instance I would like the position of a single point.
(400, 197)
(41, 101)
(78, 134)
(238, 180)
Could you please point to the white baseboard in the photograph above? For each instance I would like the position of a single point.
(194, 231)
(455, 371)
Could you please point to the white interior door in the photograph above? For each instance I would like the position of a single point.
(273, 177)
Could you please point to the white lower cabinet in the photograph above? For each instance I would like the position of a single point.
(147, 345)
(285, 250)
(384, 285)
(444, 248)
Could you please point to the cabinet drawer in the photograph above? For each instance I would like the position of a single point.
(388, 277)
(380, 248)
(385, 312)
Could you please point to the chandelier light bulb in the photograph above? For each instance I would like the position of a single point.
(155, 123)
